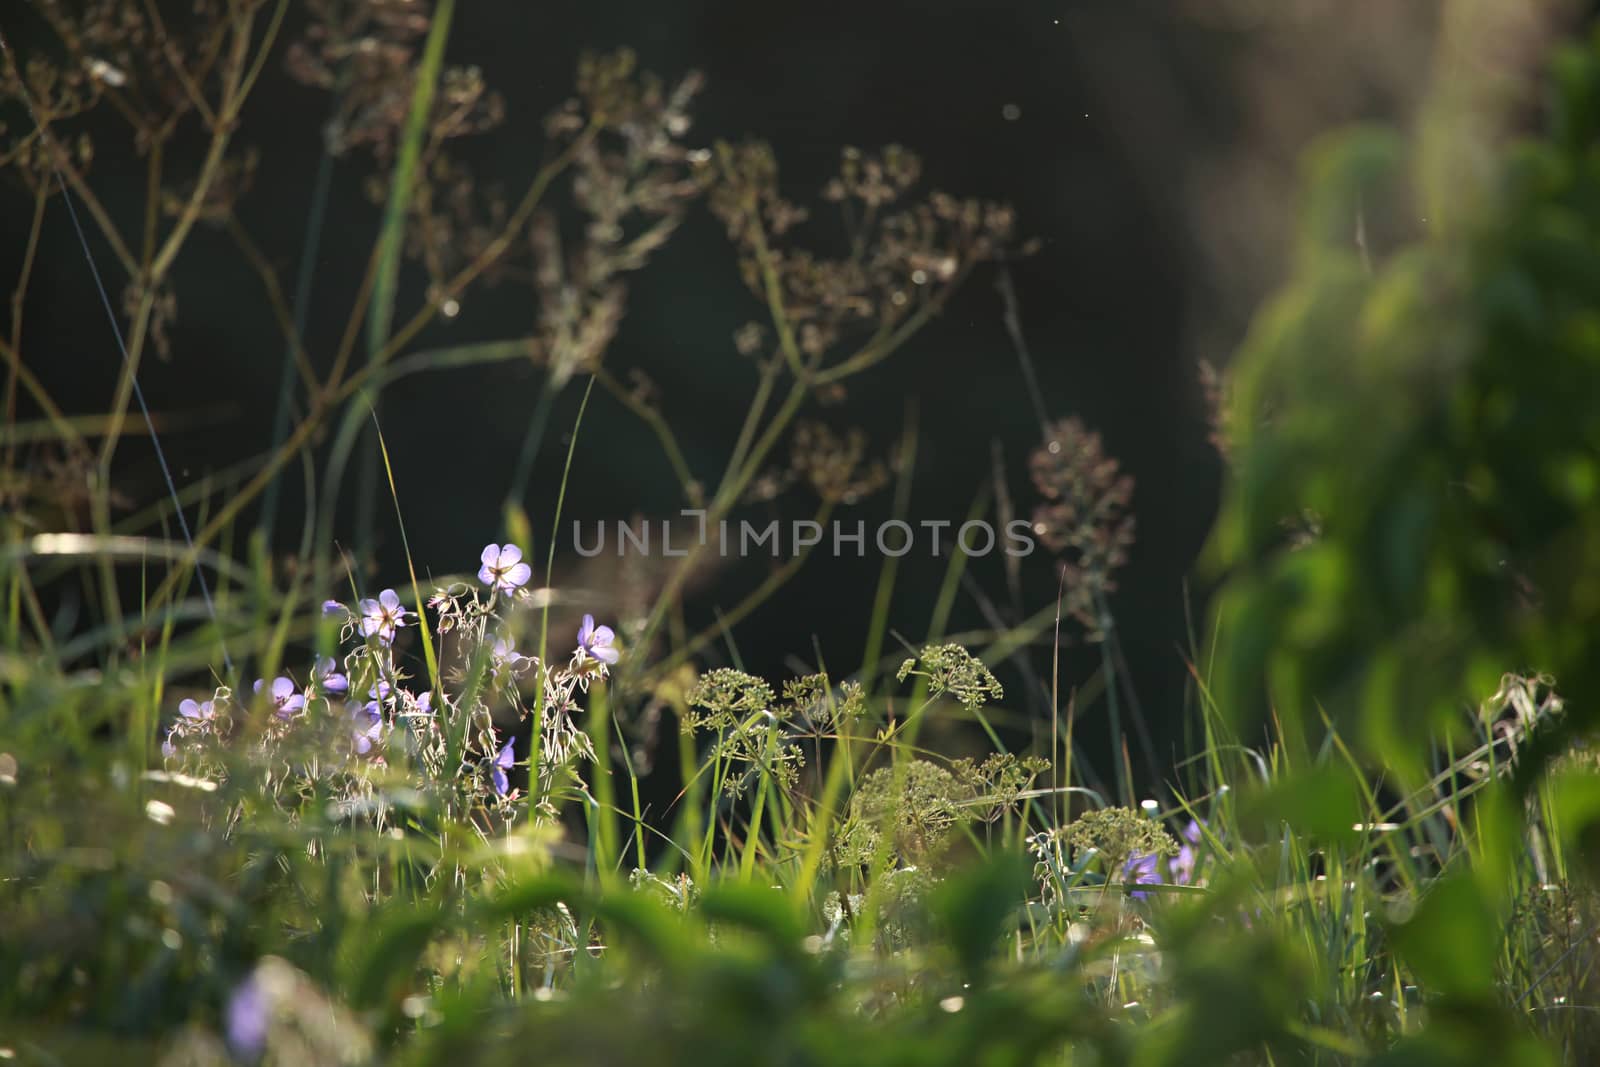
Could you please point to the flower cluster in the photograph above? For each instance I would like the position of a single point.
(464, 728)
(367, 54)
(917, 807)
(952, 669)
(1086, 516)
(907, 253)
(1144, 868)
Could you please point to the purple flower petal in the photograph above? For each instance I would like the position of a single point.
(1141, 869)
(1181, 866)
(282, 688)
(517, 575)
(595, 641)
(501, 782)
(389, 599)
(489, 555)
(366, 727)
(332, 607)
(509, 555)
(248, 1018)
(189, 709)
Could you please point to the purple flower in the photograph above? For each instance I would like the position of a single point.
(283, 696)
(325, 675)
(383, 616)
(168, 749)
(366, 727)
(503, 657)
(248, 1017)
(502, 764)
(408, 703)
(1182, 865)
(1142, 869)
(200, 712)
(333, 607)
(595, 641)
(503, 567)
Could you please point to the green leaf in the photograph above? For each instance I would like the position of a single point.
(972, 910)
(1323, 803)
(1453, 940)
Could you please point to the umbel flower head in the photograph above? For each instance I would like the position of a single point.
(503, 567)
(952, 669)
(1124, 838)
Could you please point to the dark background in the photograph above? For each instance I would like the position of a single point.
(1153, 155)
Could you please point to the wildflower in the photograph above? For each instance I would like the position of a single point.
(503, 567)
(595, 641)
(249, 1014)
(326, 677)
(952, 669)
(168, 749)
(502, 763)
(919, 809)
(199, 712)
(1123, 837)
(333, 607)
(1142, 868)
(383, 616)
(1182, 865)
(503, 651)
(283, 696)
(366, 727)
(406, 702)
(726, 696)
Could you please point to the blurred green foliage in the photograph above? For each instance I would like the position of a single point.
(1425, 396)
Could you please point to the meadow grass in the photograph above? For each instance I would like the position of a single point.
(422, 834)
